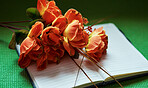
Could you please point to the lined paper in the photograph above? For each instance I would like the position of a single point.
(62, 75)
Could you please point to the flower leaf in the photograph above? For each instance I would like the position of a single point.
(33, 13)
(17, 37)
(20, 36)
(12, 42)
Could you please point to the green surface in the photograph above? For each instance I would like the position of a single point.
(130, 16)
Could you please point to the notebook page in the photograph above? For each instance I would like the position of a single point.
(62, 75)
(95, 76)
(122, 57)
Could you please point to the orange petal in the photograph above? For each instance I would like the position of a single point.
(36, 52)
(36, 30)
(42, 62)
(81, 43)
(49, 16)
(46, 49)
(54, 38)
(54, 9)
(51, 4)
(51, 57)
(97, 31)
(27, 45)
(73, 31)
(68, 47)
(93, 44)
(41, 6)
(61, 52)
(51, 35)
(60, 22)
(24, 61)
(73, 14)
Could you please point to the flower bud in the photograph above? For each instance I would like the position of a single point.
(33, 13)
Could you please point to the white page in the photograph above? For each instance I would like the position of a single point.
(122, 57)
(62, 75)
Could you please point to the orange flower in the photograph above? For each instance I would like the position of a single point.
(74, 34)
(73, 14)
(48, 10)
(97, 43)
(51, 40)
(31, 48)
(51, 36)
(54, 54)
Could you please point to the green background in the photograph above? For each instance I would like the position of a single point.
(131, 16)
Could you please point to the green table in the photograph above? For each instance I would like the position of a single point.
(130, 16)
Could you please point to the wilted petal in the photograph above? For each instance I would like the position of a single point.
(68, 47)
(85, 21)
(36, 30)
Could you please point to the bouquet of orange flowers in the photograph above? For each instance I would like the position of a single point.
(53, 34)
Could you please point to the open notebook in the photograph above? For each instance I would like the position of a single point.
(122, 60)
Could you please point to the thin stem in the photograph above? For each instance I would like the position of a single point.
(10, 27)
(7, 27)
(84, 72)
(15, 22)
(78, 71)
(15, 25)
(90, 59)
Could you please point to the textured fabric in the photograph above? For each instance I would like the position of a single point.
(129, 16)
